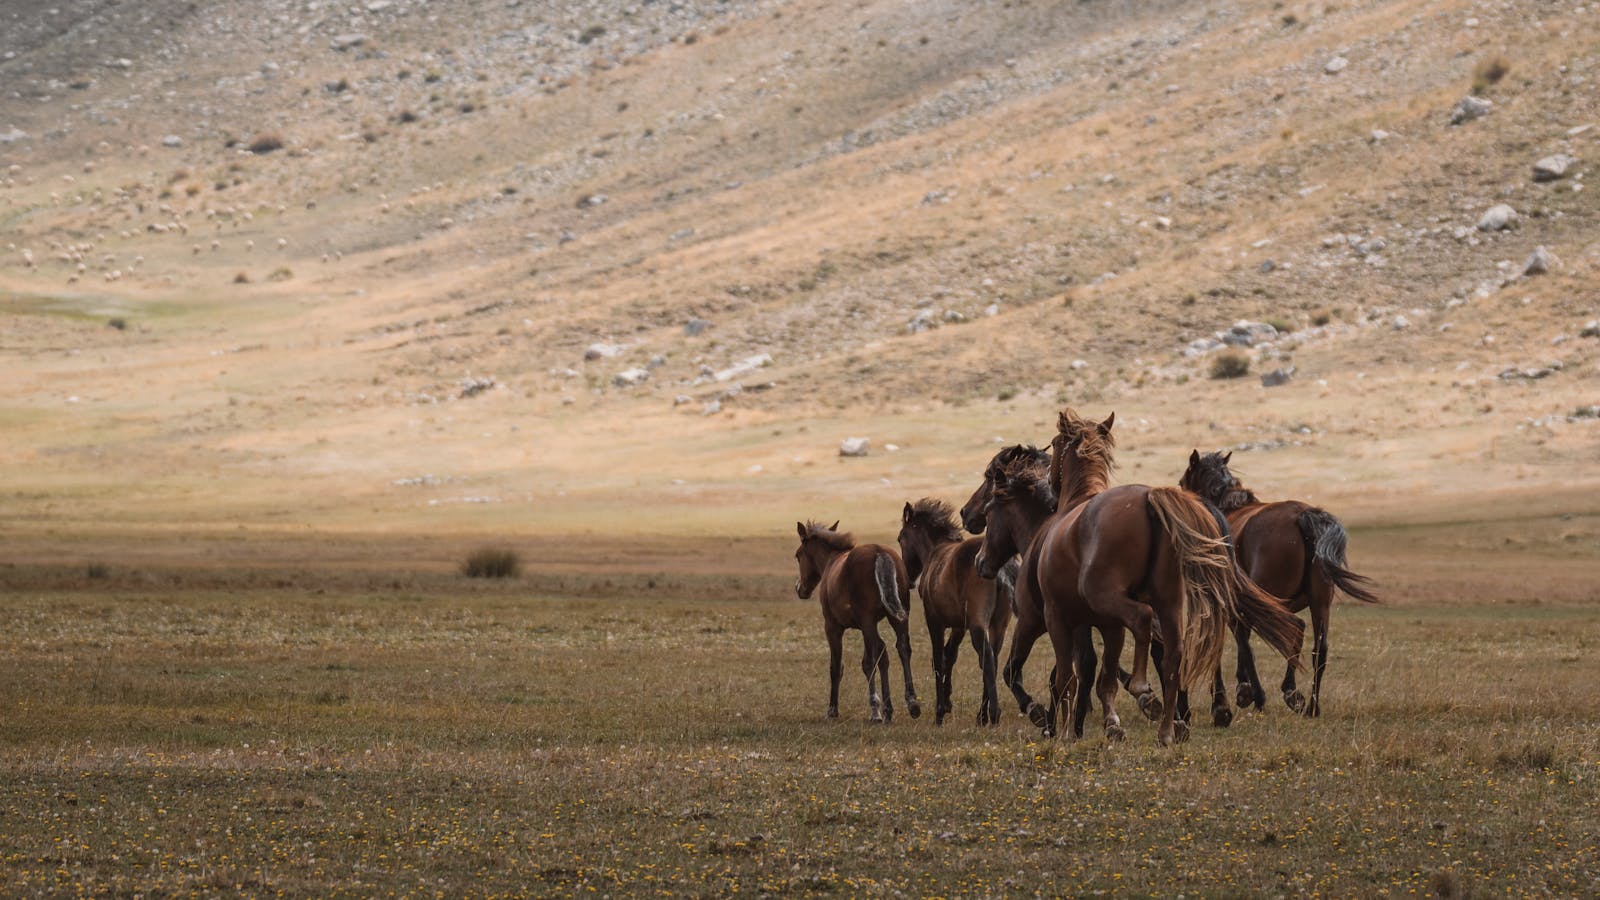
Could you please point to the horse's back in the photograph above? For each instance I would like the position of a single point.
(853, 587)
(1271, 547)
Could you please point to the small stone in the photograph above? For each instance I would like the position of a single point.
(601, 351)
(712, 408)
(1540, 261)
(631, 377)
(1336, 65)
(1379, 135)
(1498, 218)
(695, 327)
(1267, 266)
(1400, 323)
(1591, 329)
(344, 42)
(1470, 108)
(1277, 377)
(856, 446)
(172, 140)
(1554, 167)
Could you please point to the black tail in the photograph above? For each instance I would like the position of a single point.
(889, 586)
(1327, 538)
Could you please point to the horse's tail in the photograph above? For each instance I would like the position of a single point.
(888, 575)
(1205, 563)
(1327, 538)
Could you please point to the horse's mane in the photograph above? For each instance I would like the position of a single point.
(938, 518)
(1094, 449)
(1032, 479)
(836, 540)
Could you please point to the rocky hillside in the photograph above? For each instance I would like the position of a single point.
(347, 241)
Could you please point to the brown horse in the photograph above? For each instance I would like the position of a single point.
(1293, 550)
(1150, 560)
(858, 587)
(954, 599)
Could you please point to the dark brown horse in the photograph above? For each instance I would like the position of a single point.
(1149, 560)
(1292, 549)
(954, 599)
(858, 586)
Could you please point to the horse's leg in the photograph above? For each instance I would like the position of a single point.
(1248, 691)
(1185, 714)
(1140, 619)
(1064, 680)
(1086, 676)
(1321, 606)
(941, 686)
(1175, 727)
(1030, 627)
(835, 667)
(1107, 685)
(1221, 712)
(951, 649)
(902, 646)
(989, 708)
(872, 652)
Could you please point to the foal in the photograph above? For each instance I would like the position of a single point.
(1291, 549)
(954, 598)
(857, 587)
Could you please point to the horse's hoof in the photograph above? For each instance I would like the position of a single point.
(1313, 708)
(1114, 733)
(1243, 695)
(1047, 732)
(1180, 732)
(1296, 700)
(833, 712)
(914, 707)
(1038, 715)
(1221, 716)
(938, 718)
(1150, 705)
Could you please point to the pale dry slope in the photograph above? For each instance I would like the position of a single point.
(486, 189)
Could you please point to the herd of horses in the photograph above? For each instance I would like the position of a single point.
(1064, 553)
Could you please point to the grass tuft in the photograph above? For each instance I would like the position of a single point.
(492, 562)
(1230, 364)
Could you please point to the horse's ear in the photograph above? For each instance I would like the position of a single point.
(1105, 427)
(1228, 457)
(835, 525)
(800, 527)
(1194, 457)
(906, 516)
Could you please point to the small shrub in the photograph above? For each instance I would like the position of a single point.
(281, 273)
(492, 562)
(1230, 364)
(1488, 73)
(241, 278)
(1282, 326)
(97, 571)
(1006, 394)
(1320, 317)
(591, 33)
(118, 323)
(265, 142)
(406, 117)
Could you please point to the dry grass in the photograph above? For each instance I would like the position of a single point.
(375, 733)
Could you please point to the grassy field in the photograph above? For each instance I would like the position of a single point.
(168, 730)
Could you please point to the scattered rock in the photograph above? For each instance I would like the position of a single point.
(1268, 266)
(1470, 108)
(631, 377)
(172, 140)
(856, 446)
(682, 399)
(922, 321)
(1336, 65)
(1248, 334)
(1400, 323)
(1378, 136)
(744, 367)
(1531, 373)
(471, 387)
(13, 135)
(1540, 261)
(1553, 167)
(1591, 329)
(656, 362)
(695, 327)
(601, 351)
(1277, 377)
(712, 408)
(345, 42)
(1498, 218)
(1592, 411)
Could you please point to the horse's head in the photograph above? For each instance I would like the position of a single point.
(817, 545)
(1208, 476)
(1008, 530)
(972, 515)
(923, 525)
(1081, 457)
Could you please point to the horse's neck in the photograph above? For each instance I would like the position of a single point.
(1034, 515)
(1079, 485)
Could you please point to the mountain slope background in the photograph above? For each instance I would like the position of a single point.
(389, 267)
